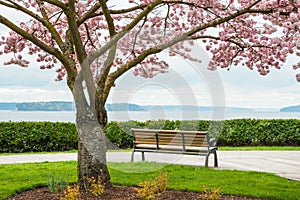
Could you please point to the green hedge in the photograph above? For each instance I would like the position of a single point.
(256, 132)
(18, 137)
(237, 132)
(59, 136)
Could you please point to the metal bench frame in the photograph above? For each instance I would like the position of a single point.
(174, 141)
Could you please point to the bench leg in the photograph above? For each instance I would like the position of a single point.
(132, 156)
(143, 156)
(216, 159)
(206, 161)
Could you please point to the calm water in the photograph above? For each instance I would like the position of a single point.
(64, 116)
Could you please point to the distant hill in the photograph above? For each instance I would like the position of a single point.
(69, 106)
(45, 106)
(290, 109)
(63, 106)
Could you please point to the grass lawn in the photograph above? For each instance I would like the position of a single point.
(19, 177)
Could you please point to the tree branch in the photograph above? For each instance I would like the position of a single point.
(109, 19)
(74, 31)
(57, 3)
(112, 52)
(89, 14)
(46, 22)
(217, 38)
(92, 12)
(88, 36)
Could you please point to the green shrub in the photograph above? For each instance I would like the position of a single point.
(120, 137)
(18, 137)
(58, 136)
(236, 132)
(256, 132)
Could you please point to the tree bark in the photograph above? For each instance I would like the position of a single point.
(91, 147)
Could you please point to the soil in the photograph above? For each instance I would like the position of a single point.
(117, 193)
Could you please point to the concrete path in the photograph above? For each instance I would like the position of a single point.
(282, 163)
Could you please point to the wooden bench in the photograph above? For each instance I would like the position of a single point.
(174, 141)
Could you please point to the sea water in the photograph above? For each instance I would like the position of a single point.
(69, 116)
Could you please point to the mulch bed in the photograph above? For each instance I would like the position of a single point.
(117, 193)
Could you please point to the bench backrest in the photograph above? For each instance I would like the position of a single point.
(171, 137)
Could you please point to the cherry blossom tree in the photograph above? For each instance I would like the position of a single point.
(91, 43)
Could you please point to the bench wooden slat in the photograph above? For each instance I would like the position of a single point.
(170, 143)
(195, 141)
(165, 139)
(196, 144)
(145, 138)
(147, 146)
(145, 142)
(195, 136)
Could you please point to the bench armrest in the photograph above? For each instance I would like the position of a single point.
(213, 142)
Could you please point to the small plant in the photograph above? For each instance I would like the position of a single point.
(146, 191)
(210, 194)
(96, 186)
(152, 188)
(56, 183)
(71, 193)
(161, 183)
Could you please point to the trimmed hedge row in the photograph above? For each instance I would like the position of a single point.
(237, 132)
(59, 136)
(245, 132)
(18, 137)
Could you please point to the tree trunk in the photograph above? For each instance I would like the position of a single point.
(91, 147)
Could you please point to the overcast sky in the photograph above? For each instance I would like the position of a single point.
(185, 84)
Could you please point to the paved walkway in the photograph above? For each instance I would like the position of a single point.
(282, 163)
